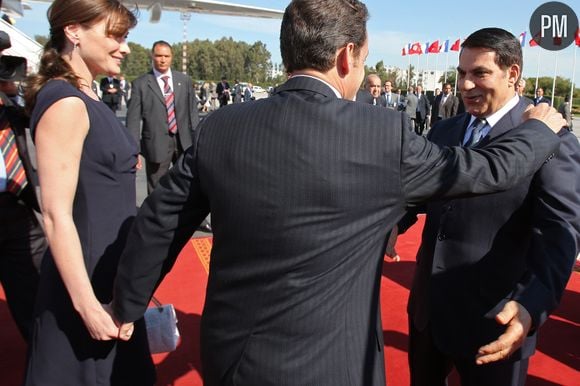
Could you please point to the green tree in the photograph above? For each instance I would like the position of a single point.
(41, 39)
(257, 66)
(137, 63)
(207, 60)
(450, 77)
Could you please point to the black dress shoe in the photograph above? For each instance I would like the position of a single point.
(204, 227)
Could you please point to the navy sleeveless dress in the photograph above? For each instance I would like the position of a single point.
(62, 352)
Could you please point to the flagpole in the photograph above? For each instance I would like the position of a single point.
(436, 69)
(455, 86)
(446, 67)
(408, 69)
(537, 72)
(426, 68)
(554, 80)
(573, 77)
(418, 57)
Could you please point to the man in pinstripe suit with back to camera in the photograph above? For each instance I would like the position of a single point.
(303, 188)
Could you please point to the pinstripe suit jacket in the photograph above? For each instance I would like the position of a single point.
(303, 188)
(480, 252)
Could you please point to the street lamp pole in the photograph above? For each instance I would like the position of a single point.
(185, 16)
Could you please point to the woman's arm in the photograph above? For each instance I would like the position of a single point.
(60, 135)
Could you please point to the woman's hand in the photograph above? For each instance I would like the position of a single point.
(99, 322)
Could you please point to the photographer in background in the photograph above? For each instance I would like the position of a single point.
(22, 241)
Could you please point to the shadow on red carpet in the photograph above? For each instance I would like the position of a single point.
(557, 361)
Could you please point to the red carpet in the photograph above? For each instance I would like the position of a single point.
(557, 361)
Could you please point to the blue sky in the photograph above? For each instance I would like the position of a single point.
(392, 25)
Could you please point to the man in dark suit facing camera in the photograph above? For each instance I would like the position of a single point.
(303, 188)
(445, 105)
(111, 92)
(490, 269)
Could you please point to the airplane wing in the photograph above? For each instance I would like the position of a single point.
(207, 6)
(14, 8)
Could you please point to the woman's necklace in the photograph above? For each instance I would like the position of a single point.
(88, 89)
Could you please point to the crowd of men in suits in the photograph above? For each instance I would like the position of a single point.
(302, 214)
(424, 110)
(304, 188)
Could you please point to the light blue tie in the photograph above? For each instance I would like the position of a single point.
(477, 126)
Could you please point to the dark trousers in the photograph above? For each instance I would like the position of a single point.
(434, 120)
(430, 367)
(419, 123)
(22, 243)
(156, 170)
(391, 242)
(114, 106)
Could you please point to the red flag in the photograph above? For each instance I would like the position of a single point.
(455, 46)
(433, 47)
(404, 52)
(534, 40)
(578, 37)
(415, 49)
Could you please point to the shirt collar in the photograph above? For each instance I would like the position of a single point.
(499, 114)
(158, 74)
(320, 80)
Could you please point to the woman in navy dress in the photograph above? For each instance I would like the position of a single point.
(86, 167)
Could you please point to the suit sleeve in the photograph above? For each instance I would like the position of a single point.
(455, 106)
(133, 119)
(555, 194)
(164, 224)
(103, 85)
(193, 112)
(412, 212)
(432, 172)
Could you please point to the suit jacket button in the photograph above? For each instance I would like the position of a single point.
(441, 236)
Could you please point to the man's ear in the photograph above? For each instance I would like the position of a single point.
(342, 65)
(345, 59)
(514, 74)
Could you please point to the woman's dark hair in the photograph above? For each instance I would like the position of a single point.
(62, 13)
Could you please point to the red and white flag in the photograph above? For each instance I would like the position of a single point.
(455, 46)
(434, 47)
(415, 49)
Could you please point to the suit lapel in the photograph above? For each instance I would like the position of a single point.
(178, 88)
(154, 87)
(512, 119)
(459, 134)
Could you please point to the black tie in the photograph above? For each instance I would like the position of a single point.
(477, 125)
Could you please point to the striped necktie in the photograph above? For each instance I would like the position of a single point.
(15, 174)
(477, 126)
(170, 105)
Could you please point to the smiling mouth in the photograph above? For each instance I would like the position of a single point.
(472, 99)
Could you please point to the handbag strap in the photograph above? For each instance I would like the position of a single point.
(156, 302)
